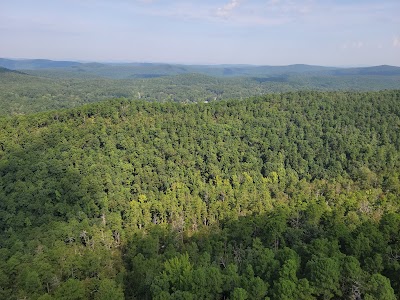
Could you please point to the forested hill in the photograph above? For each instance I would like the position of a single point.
(285, 196)
(49, 90)
(29, 86)
(71, 69)
(5, 70)
(34, 64)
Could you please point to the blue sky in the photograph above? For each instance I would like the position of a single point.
(270, 32)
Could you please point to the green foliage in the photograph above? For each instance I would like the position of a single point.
(108, 290)
(239, 294)
(50, 89)
(72, 289)
(324, 275)
(379, 288)
(286, 196)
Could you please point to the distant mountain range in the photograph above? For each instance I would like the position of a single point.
(5, 70)
(35, 64)
(68, 69)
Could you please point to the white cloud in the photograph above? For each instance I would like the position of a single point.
(227, 9)
(353, 45)
(234, 12)
(396, 42)
(253, 13)
(357, 44)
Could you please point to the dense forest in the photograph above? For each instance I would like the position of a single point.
(41, 85)
(283, 196)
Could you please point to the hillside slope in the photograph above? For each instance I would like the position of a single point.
(292, 195)
(22, 94)
(70, 69)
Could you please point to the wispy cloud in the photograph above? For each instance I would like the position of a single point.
(246, 29)
(290, 7)
(229, 12)
(277, 12)
(235, 12)
(227, 9)
(353, 45)
(260, 13)
(396, 42)
(267, 13)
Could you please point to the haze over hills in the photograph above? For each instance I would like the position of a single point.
(5, 70)
(34, 64)
(150, 70)
(28, 86)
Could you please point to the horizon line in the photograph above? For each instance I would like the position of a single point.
(84, 61)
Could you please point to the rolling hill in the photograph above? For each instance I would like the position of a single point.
(284, 196)
(72, 69)
(41, 89)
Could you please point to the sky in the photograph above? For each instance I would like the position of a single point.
(269, 32)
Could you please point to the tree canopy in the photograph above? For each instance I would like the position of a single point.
(284, 196)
